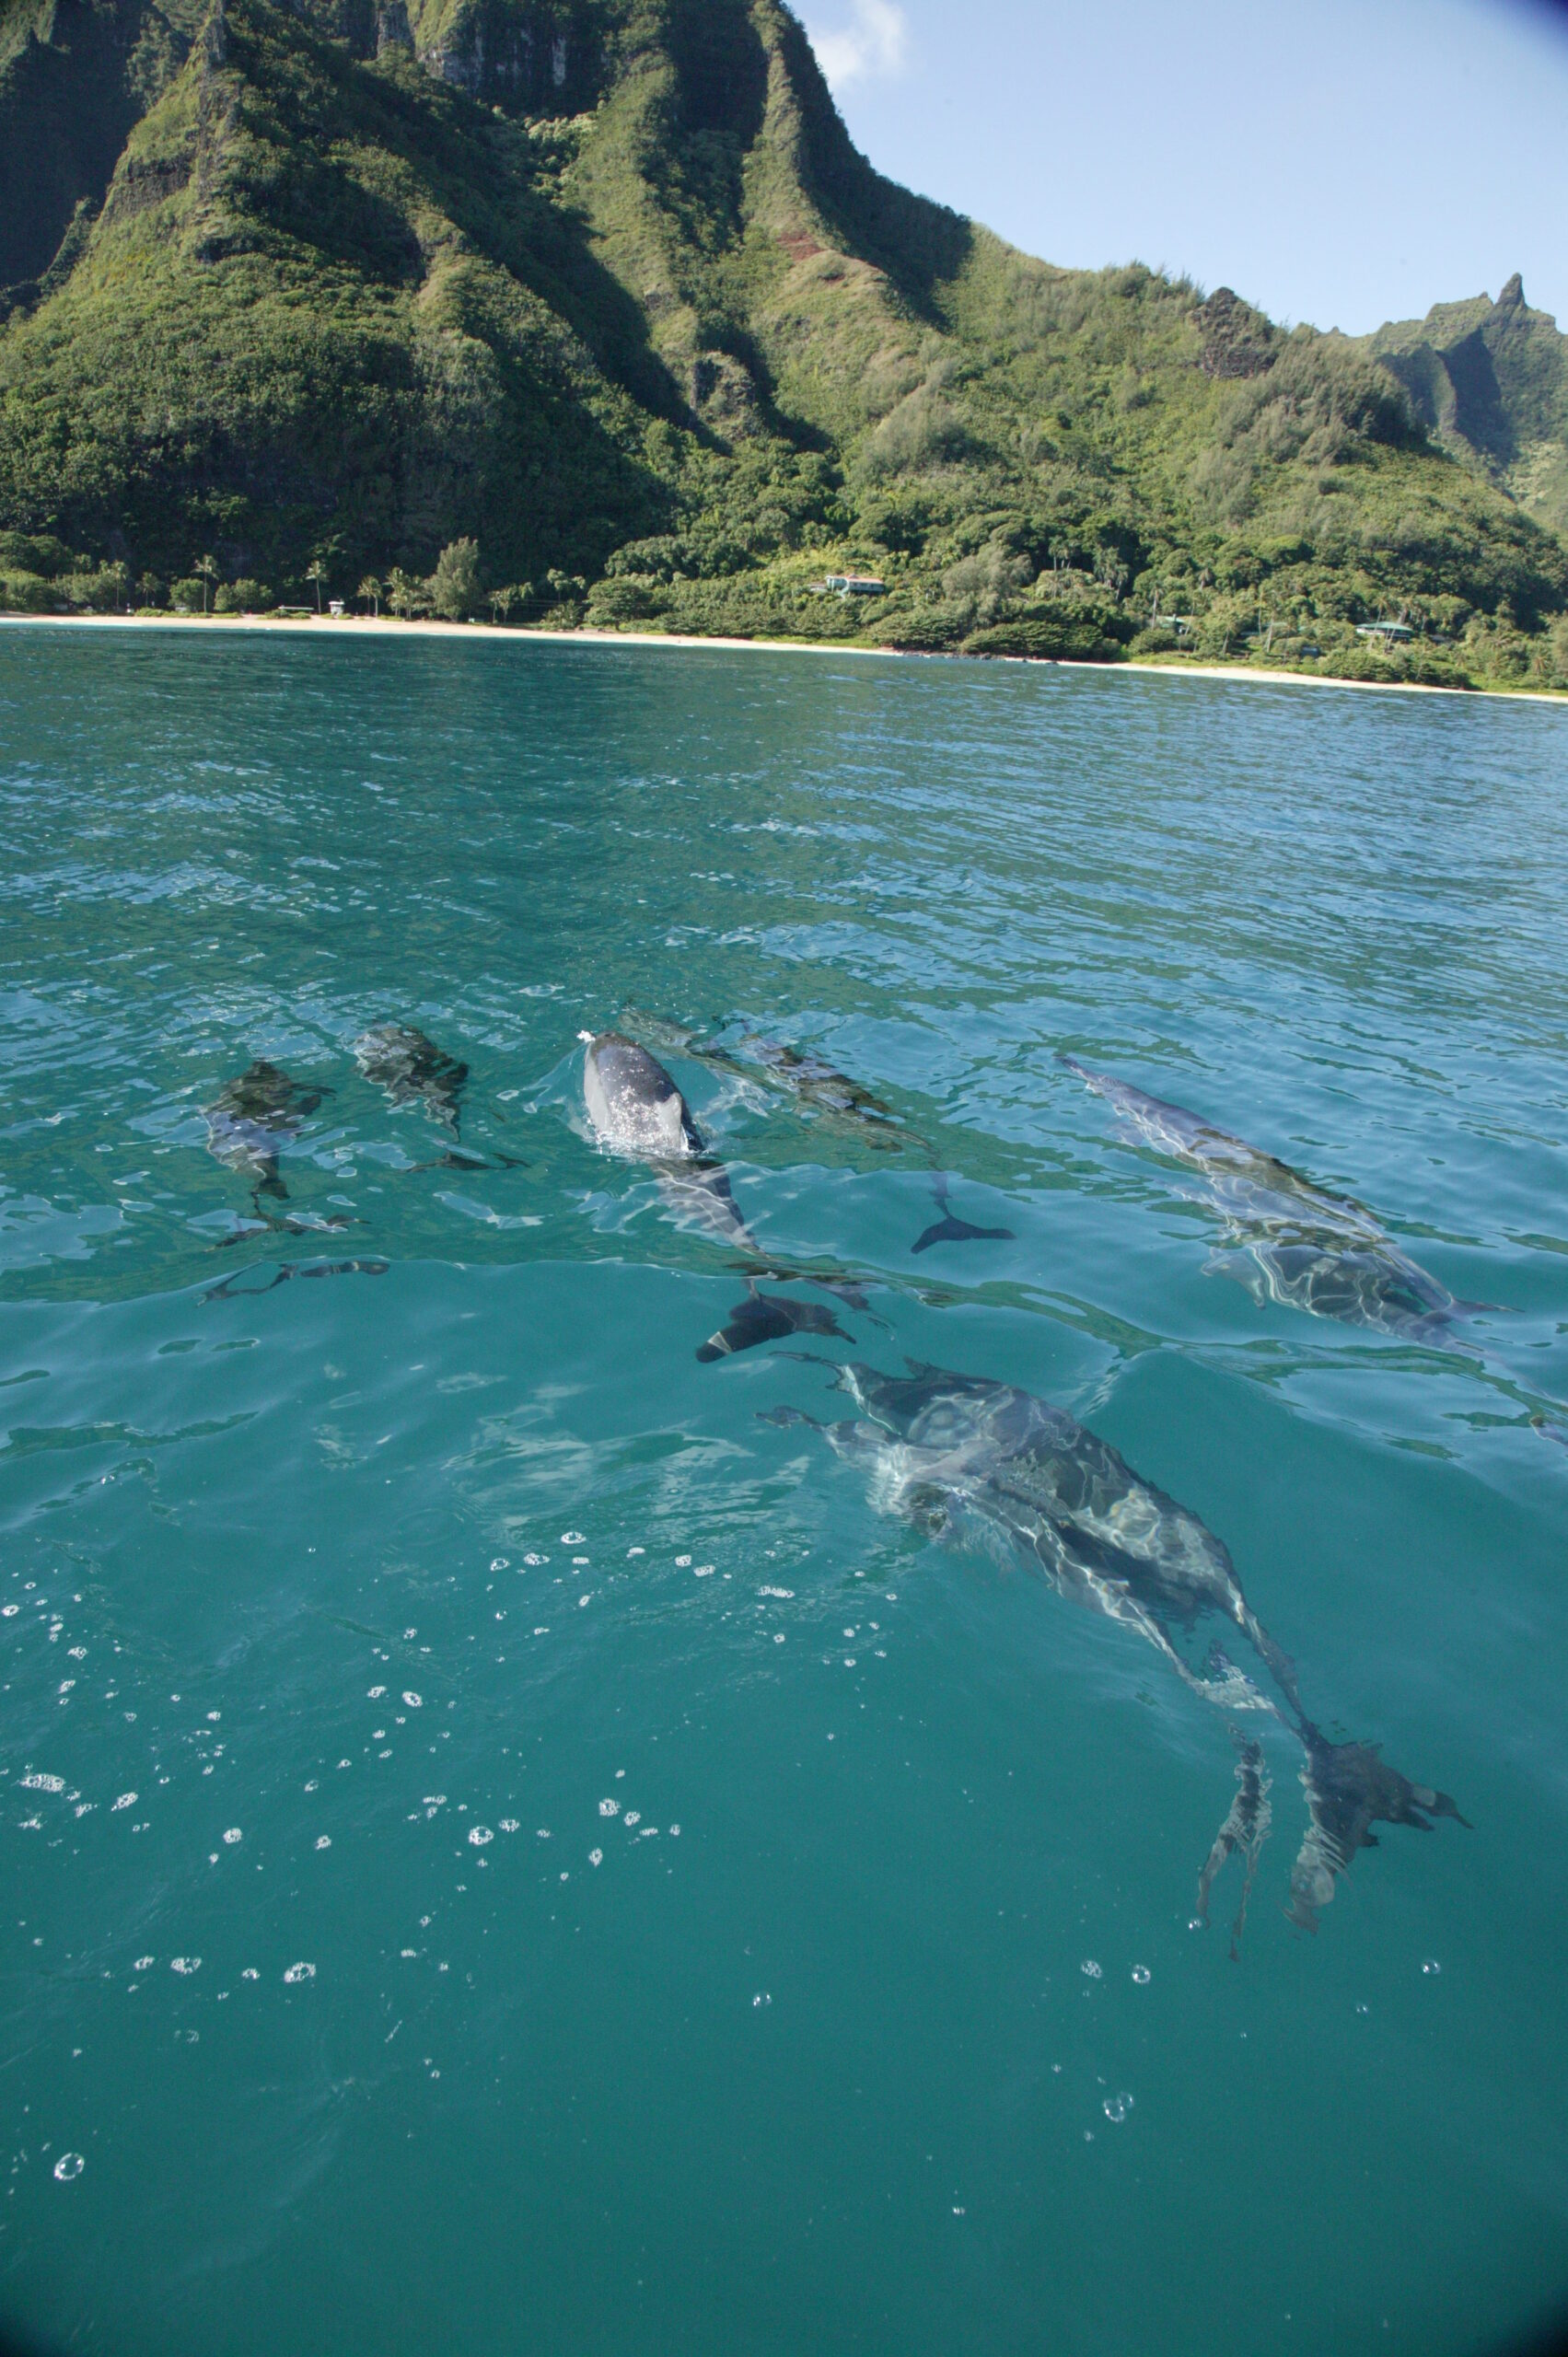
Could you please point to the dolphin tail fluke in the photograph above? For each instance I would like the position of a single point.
(1350, 1789)
(960, 1231)
(1244, 1830)
(274, 1186)
(950, 1228)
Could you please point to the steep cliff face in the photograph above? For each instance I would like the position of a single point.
(1490, 380)
(74, 76)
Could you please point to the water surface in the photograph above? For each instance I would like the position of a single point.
(506, 1848)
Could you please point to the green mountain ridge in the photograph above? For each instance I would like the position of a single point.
(603, 286)
(1490, 381)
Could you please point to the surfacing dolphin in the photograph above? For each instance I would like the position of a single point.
(414, 1070)
(1298, 1245)
(847, 1104)
(964, 1457)
(637, 1110)
(252, 1118)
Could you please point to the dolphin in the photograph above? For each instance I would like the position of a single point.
(636, 1109)
(233, 1289)
(950, 1228)
(815, 1083)
(969, 1459)
(961, 1456)
(844, 1102)
(414, 1070)
(1245, 1829)
(765, 1317)
(1349, 1789)
(1297, 1244)
(252, 1118)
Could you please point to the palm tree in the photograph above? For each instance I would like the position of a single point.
(316, 571)
(502, 602)
(370, 587)
(402, 591)
(208, 568)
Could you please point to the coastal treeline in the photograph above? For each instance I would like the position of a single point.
(552, 315)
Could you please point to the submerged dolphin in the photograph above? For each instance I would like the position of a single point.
(636, 1109)
(766, 1317)
(252, 1118)
(813, 1082)
(950, 1228)
(963, 1457)
(412, 1070)
(234, 1289)
(1245, 1829)
(1299, 1245)
(1349, 1789)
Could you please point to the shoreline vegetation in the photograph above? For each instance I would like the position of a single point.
(361, 626)
(593, 316)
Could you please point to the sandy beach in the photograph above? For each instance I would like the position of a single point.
(342, 626)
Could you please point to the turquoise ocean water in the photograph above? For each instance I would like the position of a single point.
(505, 1847)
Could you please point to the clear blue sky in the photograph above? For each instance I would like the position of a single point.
(1344, 163)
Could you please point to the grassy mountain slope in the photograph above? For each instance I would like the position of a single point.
(604, 286)
(1489, 380)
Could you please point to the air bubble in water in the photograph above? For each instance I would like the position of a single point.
(596, 1857)
(573, 1538)
(683, 1562)
(479, 1835)
(609, 1808)
(1431, 1965)
(298, 1972)
(185, 1964)
(233, 1835)
(69, 2167)
(1142, 1975)
(1091, 1969)
(1116, 2108)
(143, 1964)
(414, 1702)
